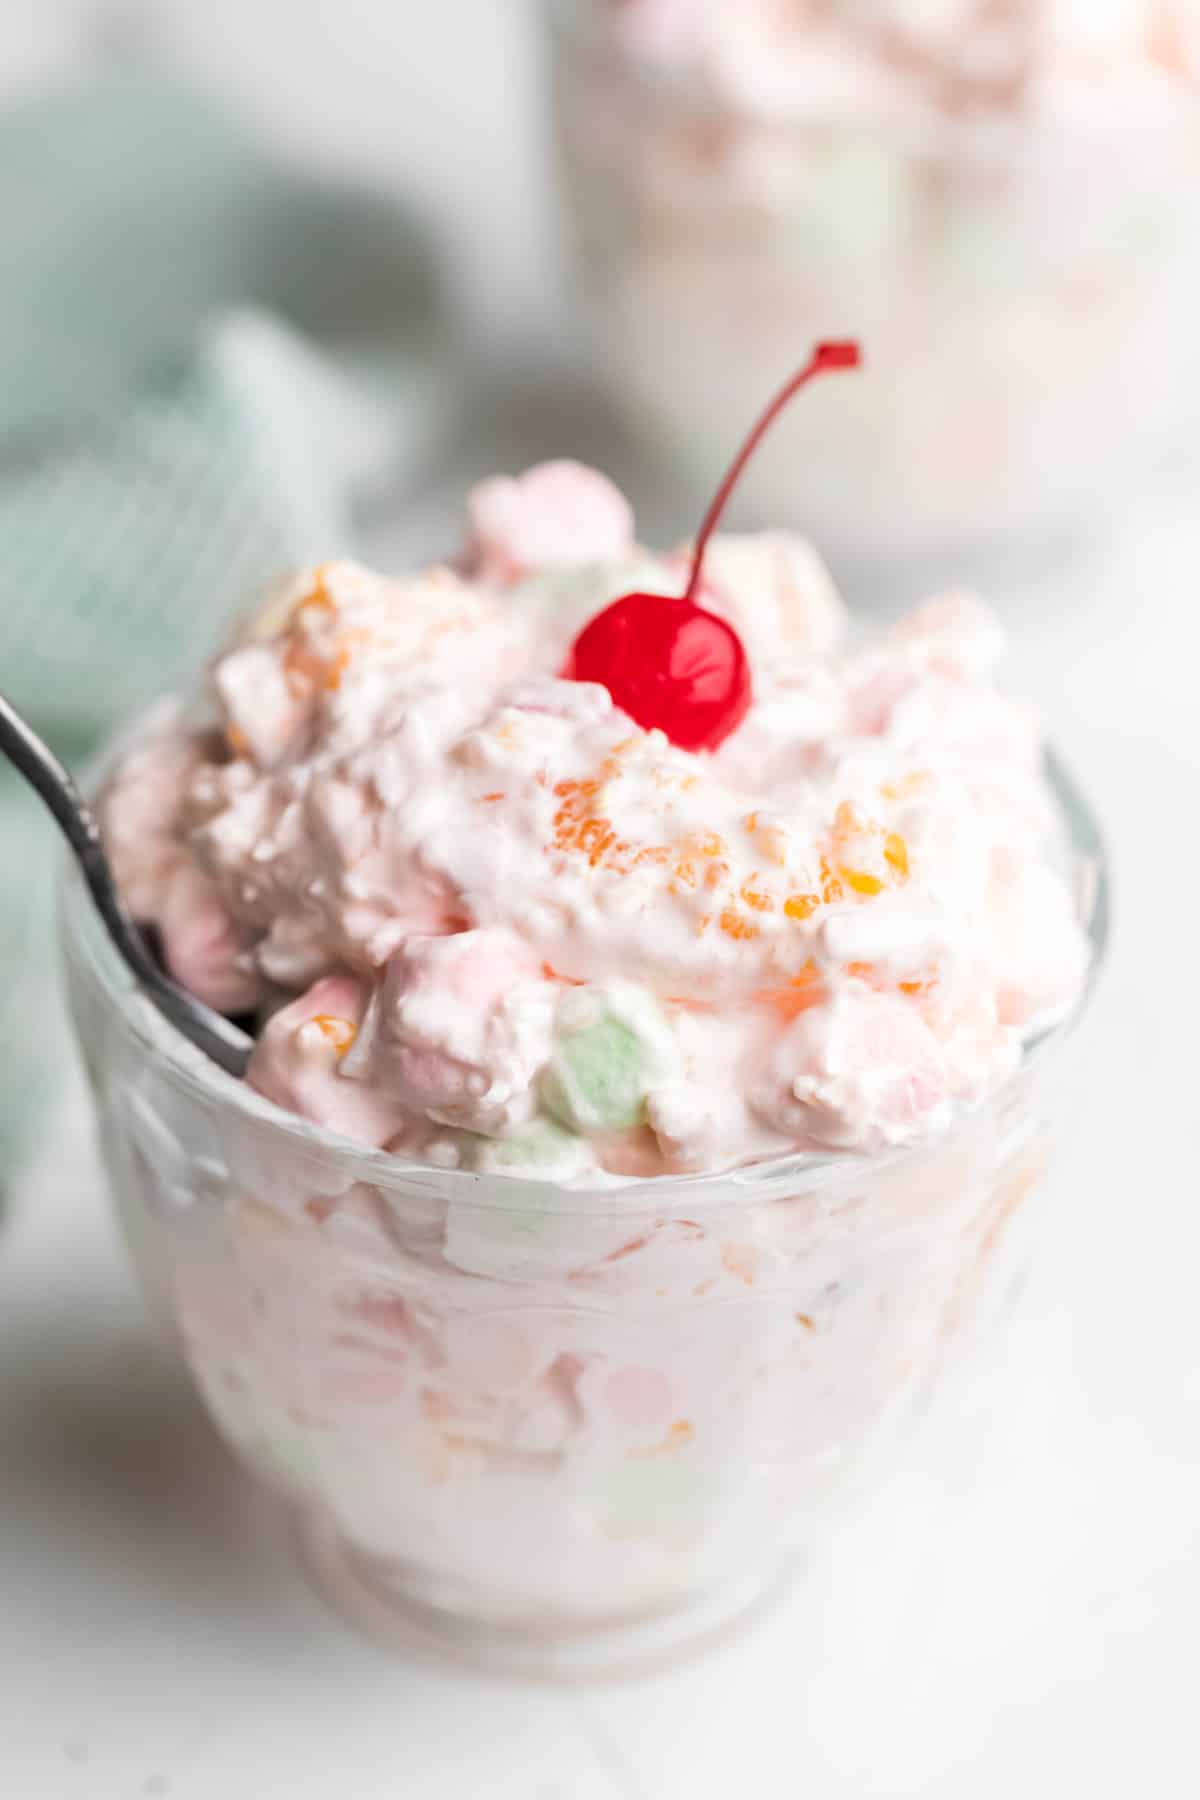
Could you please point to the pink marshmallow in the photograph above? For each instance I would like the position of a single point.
(265, 714)
(490, 1353)
(359, 1375)
(202, 947)
(638, 1397)
(877, 686)
(888, 1035)
(775, 589)
(437, 1035)
(474, 968)
(952, 642)
(1039, 956)
(862, 1072)
(959, 634)
(297, 1063)
(142, 810)
(559, 512)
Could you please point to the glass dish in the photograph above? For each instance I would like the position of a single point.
(1023, 282)
(546, 1428)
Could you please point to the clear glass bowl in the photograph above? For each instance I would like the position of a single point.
(542, 1427)
(1025, 286)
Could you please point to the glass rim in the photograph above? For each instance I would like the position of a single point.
(84, 941)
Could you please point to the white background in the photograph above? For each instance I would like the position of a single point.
(1016, 1615)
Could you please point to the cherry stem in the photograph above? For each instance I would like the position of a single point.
(825, 358)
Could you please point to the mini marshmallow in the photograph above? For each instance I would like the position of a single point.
(203, 947)
(298, 1062)
(558, 512)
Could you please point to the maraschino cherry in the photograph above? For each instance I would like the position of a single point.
(670, 663)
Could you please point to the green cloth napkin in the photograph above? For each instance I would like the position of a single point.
(206, 360)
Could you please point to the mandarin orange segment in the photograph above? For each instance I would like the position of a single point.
(680, 1433)
(318, 597)
(895, 854)
(591, 834)
(805, 990)
(298, 660)
(341, 1033)
(831, 888)
(740, 1260)
(552, 974)
(301, 661)
(852, 832)
(860, 882)
(333, 672)
(771, 840)
(698, 861)
(907, 786)
(756, 901)
(317, 601)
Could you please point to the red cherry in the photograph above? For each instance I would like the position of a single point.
(668, 662)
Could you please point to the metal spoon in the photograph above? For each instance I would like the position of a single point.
(42, 770)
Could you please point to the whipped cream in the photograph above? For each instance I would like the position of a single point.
(487, 921)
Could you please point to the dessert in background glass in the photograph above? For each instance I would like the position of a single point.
(658, 1002)
(998, 196)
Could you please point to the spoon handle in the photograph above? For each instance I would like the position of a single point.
(46, 774)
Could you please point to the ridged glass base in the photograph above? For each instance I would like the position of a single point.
(377, 1602)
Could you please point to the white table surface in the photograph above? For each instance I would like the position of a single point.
(1020, 1620)
(1016, 1619)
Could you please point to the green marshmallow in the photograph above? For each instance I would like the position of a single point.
(519, 1228)
(543, 1147)
(596, 1079)
(653, 1497)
